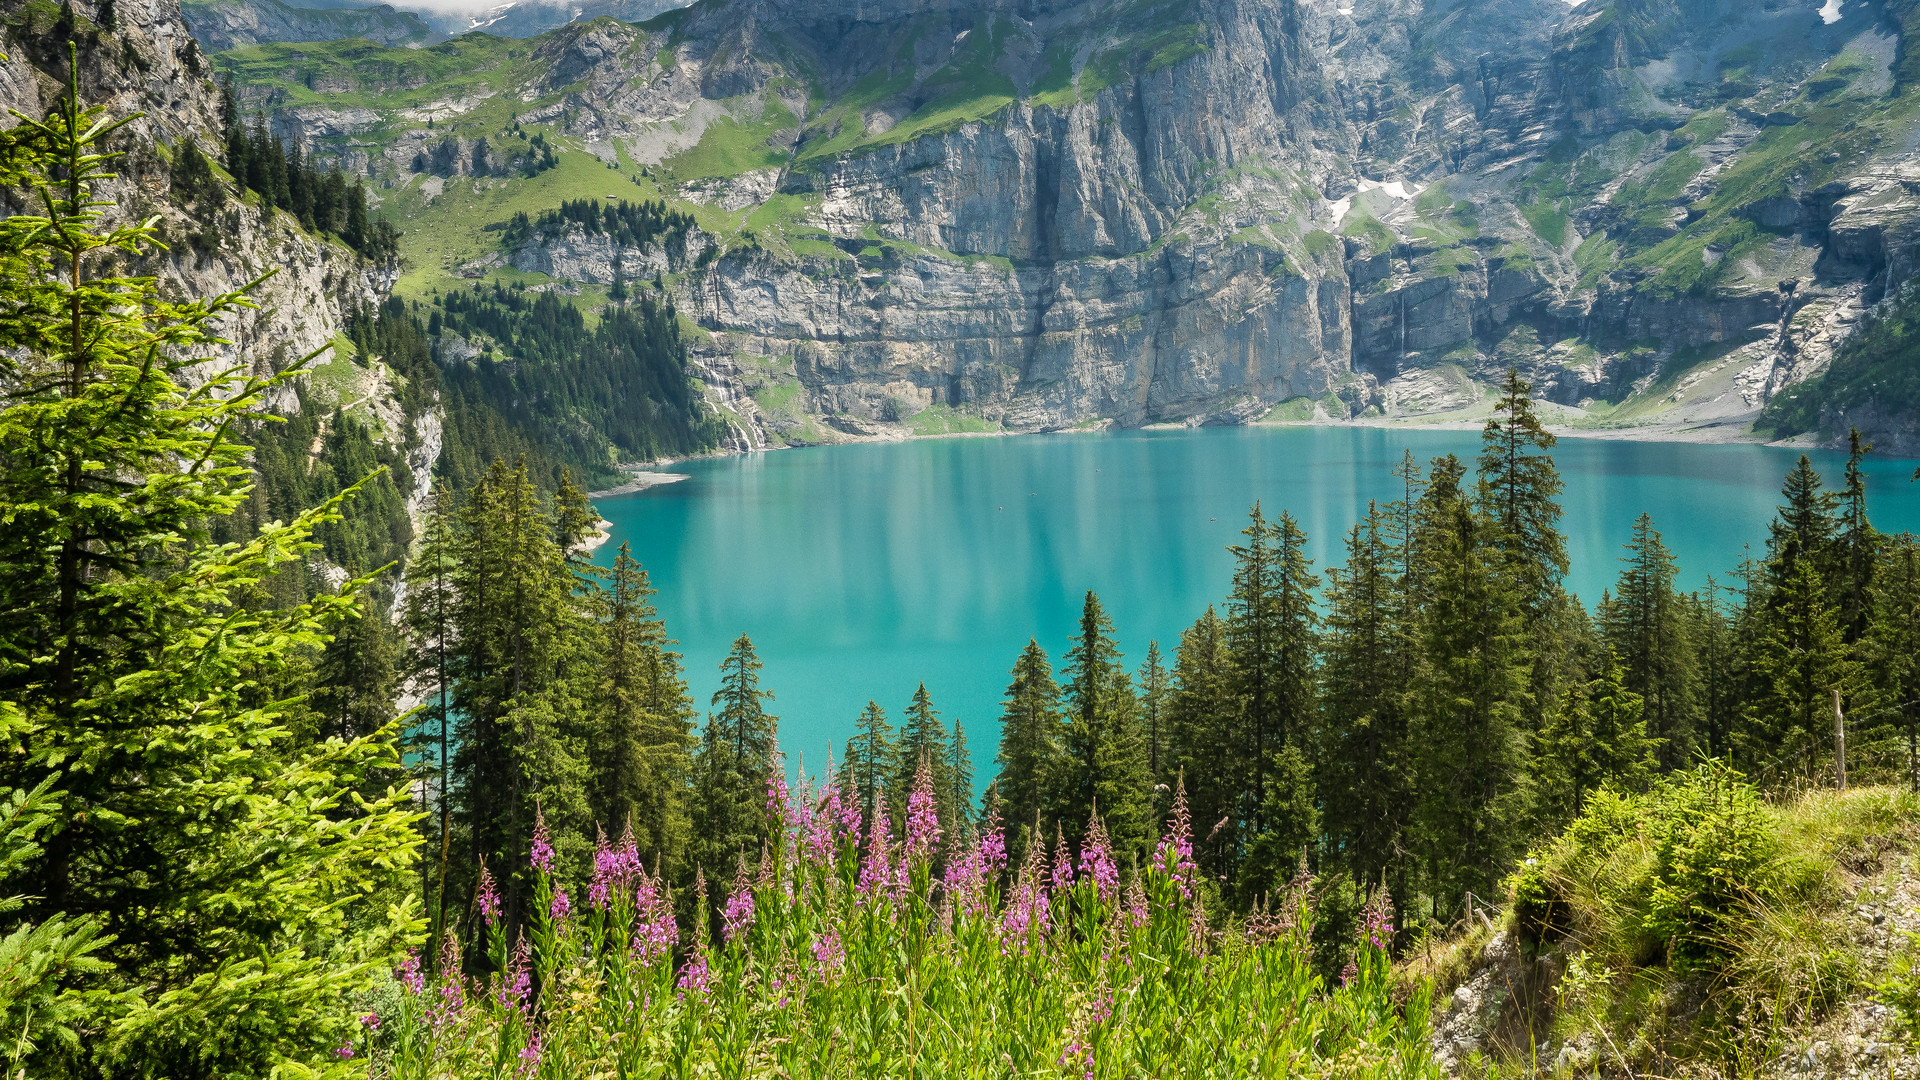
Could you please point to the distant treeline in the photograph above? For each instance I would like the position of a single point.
(627, 224)
(324, 200)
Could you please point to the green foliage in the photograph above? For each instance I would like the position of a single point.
(736, 763)
(1665, 877)
(321, 198)
(242, 882)
(583, 397)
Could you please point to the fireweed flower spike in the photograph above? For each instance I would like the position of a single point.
(542, 854)
(876, 874)
(560, 907)
(1175, 852)
(737, 917)
(1062, 862)
(516, 988)
(923, 819)
(1096, 861)
(489, 899)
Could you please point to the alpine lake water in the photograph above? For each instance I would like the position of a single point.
(861, 570)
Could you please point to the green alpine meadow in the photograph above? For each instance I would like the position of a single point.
(1131, 539)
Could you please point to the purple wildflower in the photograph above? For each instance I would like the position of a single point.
(345, 1052)
(516, 990)
(993, 847)
(614, 870)
(846, 811)
(531, 1052)
(410, 973)
(1096, 861)
(817, 841)
(560, 907)
(1136, 903)
(370, 1021)
(1376, 920)
(696, 976)
(542, 854)
(923, 818)
(1062, 862)
(966, 880)
(876, 874)
(1349, 974)
(1175, 853)
(489, 899)
(828, 953)
(1027, 913)
(654, 932)
(737, 917)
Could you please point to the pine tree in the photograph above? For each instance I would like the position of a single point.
(735, 762)
(1104, 761)
(1154, 689)
(1270, 623)
(923, 738)
(354, 681)
(1519, 489)
(1801, 659)
(1892, 647)
(1469, 697)
(1029, 761)
(1365, 752)
(1203, 715)
(640, 756)
(1645, 626)
(1804, 528)
(1858, 547)
(521, 672)
(231, 865)
(871, 760)
(960, 782)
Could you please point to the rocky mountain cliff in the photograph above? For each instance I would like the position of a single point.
(225, 24)
(1030, 215)
(146, 63)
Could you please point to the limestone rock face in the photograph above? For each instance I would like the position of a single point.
(151, 67)
(1047, 213)
(228, 24)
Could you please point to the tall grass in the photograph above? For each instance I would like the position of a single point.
(844, 954)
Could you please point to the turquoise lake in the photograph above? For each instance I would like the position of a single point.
(861, 570)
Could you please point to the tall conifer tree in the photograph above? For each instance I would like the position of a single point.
(871, 760)
(735, 762)
(1203, 722)
(1105, 760)
(1030, 759)
(1365, 754)
(1645, 626)
(1470, 695)
(1519, 490)
(641, 762)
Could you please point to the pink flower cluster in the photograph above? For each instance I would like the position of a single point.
(923, 819)
(1096, 862)
(737, 917)
(1175, 852)
(542, 853)
(615, 870)
(489, 898)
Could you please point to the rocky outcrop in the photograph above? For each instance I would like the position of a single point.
(149, 66)
(1050, 212)
(220, 25)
